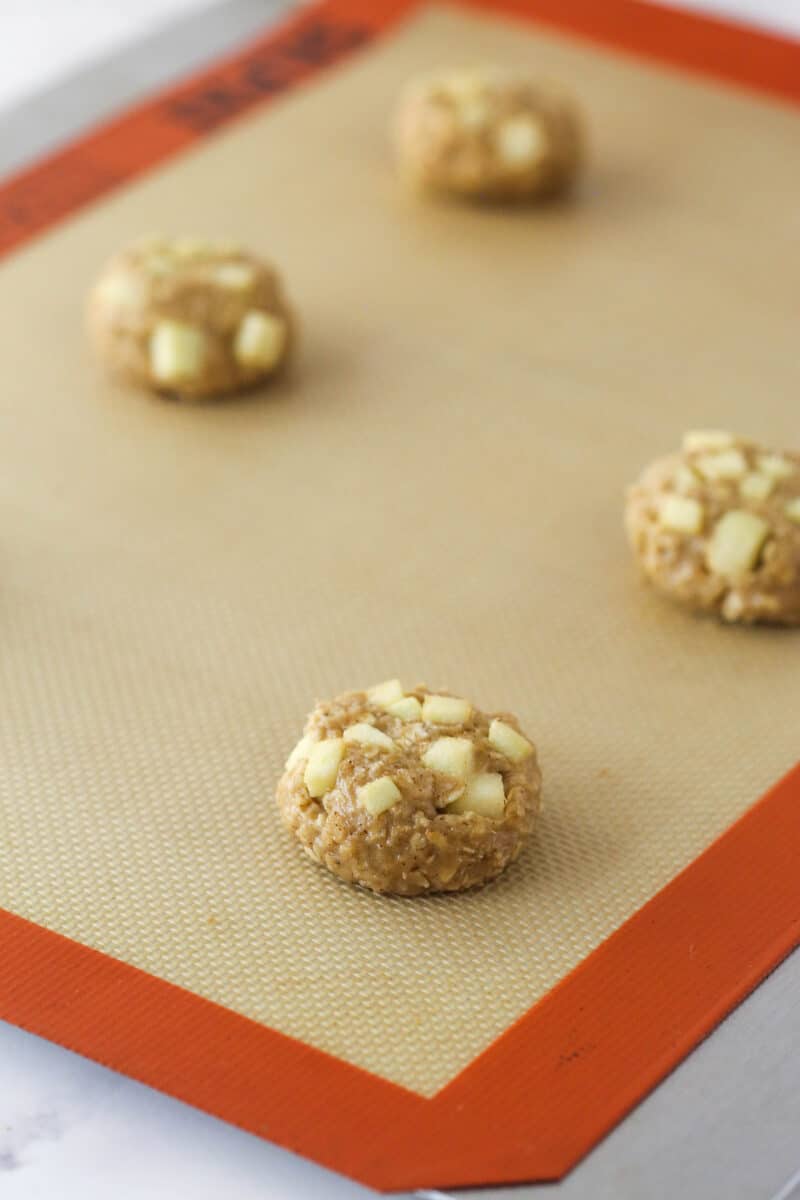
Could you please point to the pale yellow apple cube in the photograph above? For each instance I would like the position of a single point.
(121, 290)
(408, 708)
(177, 352)
(451, 756)
(727, 464)
(756, 487)
(506, 740)
(736, 543)
(384, 694)
(378, 795)
(707, 439)
(521, 141)
(467, 84)
(235, 276)
(188, 248)
(483, 794)
(792, 510)
(776, 466)
(368, 735)
(260, 340)
(300, 751)
(445, 710)
(323, 766)
(684, 478)
(681, 514)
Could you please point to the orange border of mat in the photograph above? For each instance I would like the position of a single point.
(533, 1103)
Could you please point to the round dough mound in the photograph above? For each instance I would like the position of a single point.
(410, 792)
(718, 528)
(190, 318)
(488, 134)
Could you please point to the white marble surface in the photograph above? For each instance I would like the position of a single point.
(72, 1130)
(69, 1129)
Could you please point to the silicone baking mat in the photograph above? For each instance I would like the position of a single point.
(435, 491)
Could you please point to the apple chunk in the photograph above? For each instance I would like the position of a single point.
(368, 735)
(445, 710)
(177, 352)
(483, 794)
(407, 708)
(323, 766)
(505, 739)
(451, 756)
(378, 795)
(384, 694)
(736, 543)
(300, 751)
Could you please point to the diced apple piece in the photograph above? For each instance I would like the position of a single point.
(736, 543)
(323, 766)
(235, 276)
(775, 466)
(727, 464)
(384, 694)
(189, 248)
(506, 740)
(521, 141)
(465, 85)
(792, 510)
(177, 352)
(378, 795)
(407, 709)
(707, 439)
(300, 751)
(260, 340)
(681, 514)
(483, 794)
(121, 290)
(368, 735)
(756, 486)
(451, 756)
(684, 478)
(445, 710)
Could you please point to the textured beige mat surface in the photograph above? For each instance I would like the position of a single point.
(435, 493)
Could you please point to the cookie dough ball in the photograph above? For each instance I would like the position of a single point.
(718, 528)
(190, 318)
(488, 134)
(410, 791)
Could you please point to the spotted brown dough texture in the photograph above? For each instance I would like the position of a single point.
(425, 841)
(488, 134)
(717, 527)
(190, 318)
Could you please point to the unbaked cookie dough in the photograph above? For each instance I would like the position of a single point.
(717, 527)
(410, 791)
(190, 318)
(488, 134)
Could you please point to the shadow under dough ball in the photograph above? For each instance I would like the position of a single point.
(410, 791)
(190, 318)
(717, 527)
(488, 134)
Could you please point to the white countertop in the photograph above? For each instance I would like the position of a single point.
(69, 1129)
